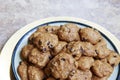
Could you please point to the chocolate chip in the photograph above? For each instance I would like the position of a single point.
(82, 50)
(52, 29)
(96, 51)
(67, 46)
(50, 46)
(48, 43)
(46, 29)
(83, 39)
(74, 56)
(43, 49)
(50, 57)
(39, 42)
(72, 73)
(63, 59)
(115, 56)
(112, 65)
(70, 49)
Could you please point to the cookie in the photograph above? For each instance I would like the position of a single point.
(58, 47)
(32, 37)
(68, 32)
(113, 59)
(94, 77)
(102, 51)
(101, 43)
(51, 78)
(73, 48)
(101, 69)
(80, 75)
(22, 70)
(26, 51)
(48, 29)
(90, 35)
(38, 58)
(61, 65)
(85, 63)
(35, 73)
(76, 49)
(45, 41)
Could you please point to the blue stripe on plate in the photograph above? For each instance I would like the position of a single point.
(14, 52)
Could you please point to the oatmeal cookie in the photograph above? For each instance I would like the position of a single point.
(22, 70)
(90, 35)
(101, 69)
(38, 58)
(61, 65)
(80, 75)
(85, 63)
(68, 32)
(35, 73)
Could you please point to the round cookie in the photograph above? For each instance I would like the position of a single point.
(88, 49)
(26, 51)
(90, 35)
(94, 77)
(85, 63)
(46, 41)
(101, 43)
(80, 75)
(61, 65)
(35, 73)
(102, 51)
(76, 49)
(73, 48)
(51, 78)
(101, 69)
(22, 70)
(68, 32)
(32, 37)
(58, 47)
(48, 29)
(38, 58)
(113, 59)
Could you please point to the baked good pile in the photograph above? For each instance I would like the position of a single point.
(66, 52)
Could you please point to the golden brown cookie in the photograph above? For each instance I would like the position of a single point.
(94, 77)
(58, 47)
(68, 32)
(51, 78)
(61, 65)
(80, 75)
(38, 58)
(46, 41)
(85, 63)
(48, 29)
(76, 49)
(102, 51)
(35, 73)
(22, 70)
(32, 37)
(26, 51)
(90, 35)
(101, 69)
(113, 59)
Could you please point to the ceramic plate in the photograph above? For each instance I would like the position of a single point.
(11, 51)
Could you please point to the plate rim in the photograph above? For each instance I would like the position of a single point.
(28, 27)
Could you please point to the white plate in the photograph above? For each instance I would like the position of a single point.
(19, 39)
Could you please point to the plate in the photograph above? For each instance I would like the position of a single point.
(11, 51)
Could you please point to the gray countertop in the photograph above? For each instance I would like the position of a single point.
(15, 14)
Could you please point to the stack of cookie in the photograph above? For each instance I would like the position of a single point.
(66, 52)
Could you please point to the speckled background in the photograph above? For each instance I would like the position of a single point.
(15, 14)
